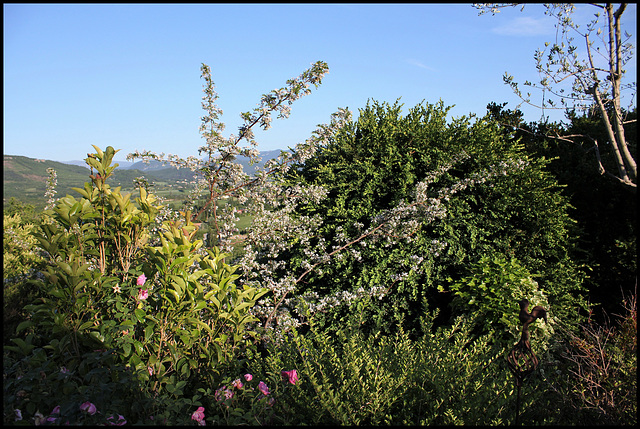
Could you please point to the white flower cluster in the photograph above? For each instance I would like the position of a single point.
(52, 182)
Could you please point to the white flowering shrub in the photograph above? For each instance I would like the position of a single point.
(384, 206)
(413, 200)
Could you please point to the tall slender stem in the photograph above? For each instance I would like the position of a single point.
(517, 403)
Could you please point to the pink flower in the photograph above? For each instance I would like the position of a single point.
(141, 280)
(198, 415)
(88, 407)
(150, 370)
(237, 384)
(228, 394)
(262, 387)
(290, 376)
(144, 294)
(121, 421)
(248, 377)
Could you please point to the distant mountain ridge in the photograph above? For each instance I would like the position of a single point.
(157, 165)
(25, 179)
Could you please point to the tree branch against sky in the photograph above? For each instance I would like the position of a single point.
(583, 69)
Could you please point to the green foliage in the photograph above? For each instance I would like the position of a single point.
(21, 262)
(19, 256)
(605, 213)
(376, 162)
(201, 316)
(36, 385)
(492, 292)
(175, 330)
(442, 377)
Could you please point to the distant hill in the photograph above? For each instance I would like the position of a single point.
(157, 165)
(25, 178)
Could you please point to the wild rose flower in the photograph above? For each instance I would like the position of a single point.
(290, 376)
(198, 416)
(120, 422)
(223, 391)
(56, 410)
(143, 294)
(141, 279)
(237, 383)
(88, 407)
(262, 387)
(248, 377)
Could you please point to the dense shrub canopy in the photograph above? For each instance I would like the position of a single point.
(376, 162)
(605, 211)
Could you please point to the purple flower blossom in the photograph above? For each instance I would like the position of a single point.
(88, 407)
(248, 377)
(262, 387)
(120, 422)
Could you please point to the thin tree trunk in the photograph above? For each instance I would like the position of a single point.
(630, 163)
(622, 171)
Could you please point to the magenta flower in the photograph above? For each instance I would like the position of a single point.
(237, 383)
(198, 415)
(141, 279)
(262, 387)
(290, 376)
(143, 294)
(120, 422)
(88, 407)
(248, 377)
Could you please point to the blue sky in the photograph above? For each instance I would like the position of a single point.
(129, 75)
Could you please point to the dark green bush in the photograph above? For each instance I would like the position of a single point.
(498, 201)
